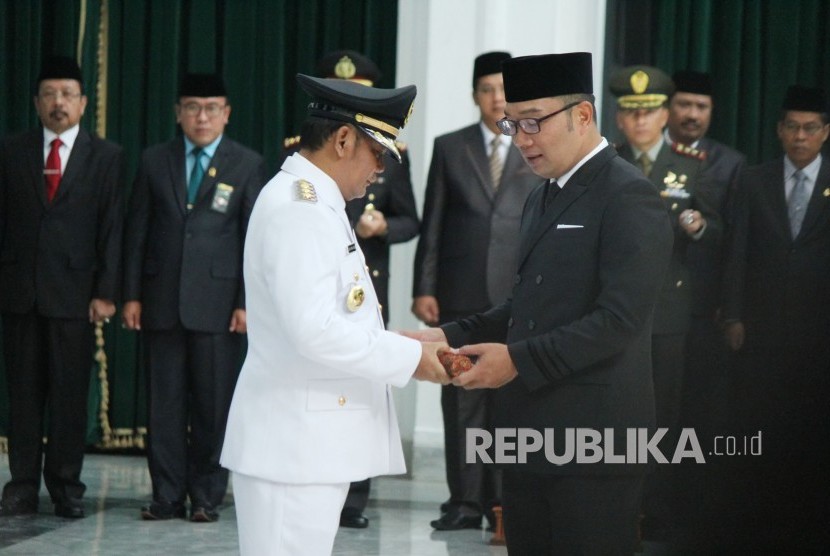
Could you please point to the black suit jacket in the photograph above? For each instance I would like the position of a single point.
(578, 323)
(777, 286)
(674, 306)
(466, 254)
(187, 266)
(392, 195)
(58, 256)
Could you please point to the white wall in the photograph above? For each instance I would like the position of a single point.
(437, 43)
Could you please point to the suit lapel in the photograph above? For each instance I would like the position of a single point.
(34, 152)
(76, 163)
(512, 164)
(573, 190)
(474, 147)
(178, 173)
(215, 169)
(776, 193)
(819, 202)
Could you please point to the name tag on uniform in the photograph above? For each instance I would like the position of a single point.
(221, 198)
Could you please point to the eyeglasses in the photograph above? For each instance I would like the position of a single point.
(51, 96)
(529, 125)
(212, 110)
(810, 129)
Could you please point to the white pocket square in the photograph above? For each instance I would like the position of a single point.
(568, 226)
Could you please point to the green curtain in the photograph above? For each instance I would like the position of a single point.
(754, 50)
(257, 45)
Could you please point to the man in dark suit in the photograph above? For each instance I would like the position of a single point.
(690, 113)
(677, 172)
(183, 289)
(60, 245)
(465, 262)
(595, 244)
(777, 317)
(384, 216)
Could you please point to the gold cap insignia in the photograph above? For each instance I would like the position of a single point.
(639, 82)
(355, 298)
(304, 191)
(345, 68)
(408, 114)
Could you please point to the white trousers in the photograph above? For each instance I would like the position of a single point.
(286, 519)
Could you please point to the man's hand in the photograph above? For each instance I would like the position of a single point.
(430, 368)
(734, 333)
(493, 369)
(425, 335)
(425, 307)
(100, 310)
(131, 315)
(239, 321)
(691, 221)
(371, 223)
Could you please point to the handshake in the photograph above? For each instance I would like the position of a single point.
(478, 366)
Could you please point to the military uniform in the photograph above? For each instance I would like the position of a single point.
(677, 173)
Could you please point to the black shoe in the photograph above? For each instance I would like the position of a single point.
(203, 514)
(158, 511)
(70, 508)
(353, 518)
(454, 520)
(12, 505)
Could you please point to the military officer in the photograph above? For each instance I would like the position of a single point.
(676, 170)
(384, 216)
(313, 409)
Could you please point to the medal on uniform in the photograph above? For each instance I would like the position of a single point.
(221, 198)
(355, 298)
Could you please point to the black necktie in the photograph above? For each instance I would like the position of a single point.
(551, 191)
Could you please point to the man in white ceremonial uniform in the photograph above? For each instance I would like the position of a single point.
(313, 410)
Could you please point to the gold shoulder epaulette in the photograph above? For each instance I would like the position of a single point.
(686, 150)
(290, 142)
(401, 145)
(304, 191)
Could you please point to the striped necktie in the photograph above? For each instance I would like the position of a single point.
(496, 162)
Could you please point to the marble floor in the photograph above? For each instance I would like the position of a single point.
(399, 511)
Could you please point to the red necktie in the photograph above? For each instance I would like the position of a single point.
(52, 172)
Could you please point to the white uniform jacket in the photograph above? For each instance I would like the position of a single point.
(313, 402)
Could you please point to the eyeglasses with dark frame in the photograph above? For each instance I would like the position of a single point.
(212, 110)
(810, 128)
(530, 126)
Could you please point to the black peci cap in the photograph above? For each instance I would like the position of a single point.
(547, 75)
(349, 64)
(641, 87)
(202, 85)
(695, 82)
(60, 67)
(380, 113)
(805, 99)
(488, 64)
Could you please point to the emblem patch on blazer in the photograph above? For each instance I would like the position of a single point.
(221, 198)
(304, 191)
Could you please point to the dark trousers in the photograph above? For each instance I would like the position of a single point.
(358, 495)
(191, 378)
(562, 515)
(474, 486)
(48, 364)
(667, 360)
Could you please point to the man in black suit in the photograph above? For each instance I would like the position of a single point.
(690, 113)
(60, 245)
(465, 262)
(595, 245)
(384, 216)
(183, 289)
(777, 317)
